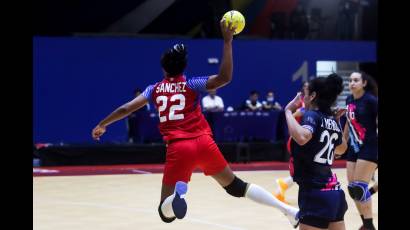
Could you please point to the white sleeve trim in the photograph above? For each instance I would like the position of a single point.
(308, 127)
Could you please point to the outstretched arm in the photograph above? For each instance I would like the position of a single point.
(118, 114)
(225, 72)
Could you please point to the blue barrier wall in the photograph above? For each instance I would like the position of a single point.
(78, 81)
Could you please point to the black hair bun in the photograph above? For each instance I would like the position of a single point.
(334, 83)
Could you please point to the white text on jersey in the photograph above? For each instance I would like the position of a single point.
(178, 87)
(330, 124)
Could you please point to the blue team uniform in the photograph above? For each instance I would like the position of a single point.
(321, 200)
(361, 116)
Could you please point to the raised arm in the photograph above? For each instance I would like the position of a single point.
(300, 134)
(225, 72)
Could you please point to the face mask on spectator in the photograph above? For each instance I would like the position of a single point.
(270, 99)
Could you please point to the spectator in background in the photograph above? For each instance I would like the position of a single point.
(212, 102)
(270, 103)
(252, 104)
(298, 23)
(132, 119)
(279, 25)
(348, 10)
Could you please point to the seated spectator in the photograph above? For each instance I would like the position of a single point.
(270, 103)
(212, 102)
(252, 104)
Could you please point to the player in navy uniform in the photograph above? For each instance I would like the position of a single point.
(314, 142)
(284, 184)
(188, 135)
(361, 133)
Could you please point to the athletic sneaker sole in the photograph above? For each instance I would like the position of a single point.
(179, 205)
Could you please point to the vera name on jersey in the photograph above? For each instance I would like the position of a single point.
(330, 124)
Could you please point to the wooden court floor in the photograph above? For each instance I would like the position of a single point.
(130, 202)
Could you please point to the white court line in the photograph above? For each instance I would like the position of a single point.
(37, 170)
(195, 220)
(140, 171)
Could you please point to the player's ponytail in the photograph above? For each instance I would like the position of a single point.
(174, 60)
(334, 85)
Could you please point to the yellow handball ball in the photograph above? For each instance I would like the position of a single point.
(236, 18)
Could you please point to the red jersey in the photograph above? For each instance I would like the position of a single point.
(177, 101)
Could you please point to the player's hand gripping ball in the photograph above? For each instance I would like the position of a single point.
(236, 19)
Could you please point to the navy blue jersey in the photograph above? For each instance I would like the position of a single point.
(312, 161)
(361, 116)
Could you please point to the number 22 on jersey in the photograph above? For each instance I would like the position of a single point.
(163, 102)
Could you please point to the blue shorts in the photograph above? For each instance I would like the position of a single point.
(319, 208)
(368, 153)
